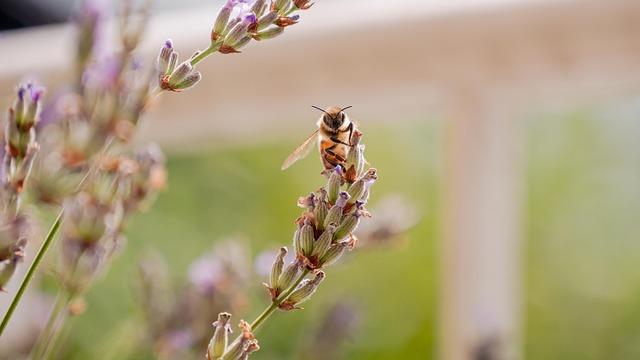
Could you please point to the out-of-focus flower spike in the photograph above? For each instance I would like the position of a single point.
(324, 241)
(9, 268)
(303, 292)
(18, 106)
(334, 253)
(220, 339)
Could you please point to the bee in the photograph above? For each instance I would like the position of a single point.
(333, 136)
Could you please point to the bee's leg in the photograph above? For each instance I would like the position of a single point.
(339, 159)
(350, 130)
(336, 140)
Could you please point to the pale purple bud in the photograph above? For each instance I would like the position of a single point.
(189, 81)
(223, 18)
(267, 19)
(180, 73)
(239, 31)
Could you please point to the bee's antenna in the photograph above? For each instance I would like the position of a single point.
(345, 108)
(315, 107)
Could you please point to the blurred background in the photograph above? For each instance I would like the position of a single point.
(505, 131)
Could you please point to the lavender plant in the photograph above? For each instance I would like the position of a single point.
(324, 232)
(88, 167)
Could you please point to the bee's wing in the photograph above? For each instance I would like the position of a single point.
(301, 151)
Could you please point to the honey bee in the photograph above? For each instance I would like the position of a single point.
(333, 137)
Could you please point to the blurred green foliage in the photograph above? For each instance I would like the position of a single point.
(582, 277)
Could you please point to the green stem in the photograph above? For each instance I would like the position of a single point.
(203, 55)
(48, 337)
(273, 306)
(276, 303)
(32, 269)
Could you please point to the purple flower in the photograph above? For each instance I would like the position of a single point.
(206, 272)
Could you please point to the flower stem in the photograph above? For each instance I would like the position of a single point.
(203, 55)
(276, 303)
(49, 335)
(32, 269)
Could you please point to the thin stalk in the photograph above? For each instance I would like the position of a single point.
(276, 303)
(203, 55)
(32, 269)
(273, 306)
(48, 336)
(44, 248)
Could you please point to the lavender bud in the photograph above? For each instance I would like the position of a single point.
(356, 190)
(324, 241)
(276, 270)
(347, 226)
(320, 209)
(296, 239)
(222, 19)
(302, 4)
(335, 213)
(267, 19)
(18, 106)
(164, 58)
(259, 7)
(303, 292)
(355, 158)
(282, 5)
(359, 190)
(173, 59)
(334, 183)
(220, 339)
(240, 44)
(30, 116)
(334, 253)
(180, 73)
(306, 239)
(189, 81)
(289, 275)
(239, 31)
(269, 33)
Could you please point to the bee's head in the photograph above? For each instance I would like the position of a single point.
(333, 116)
